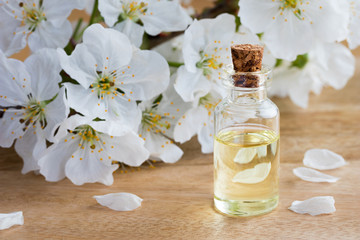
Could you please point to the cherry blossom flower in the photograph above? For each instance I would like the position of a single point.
(328, 64)
(206, 50)
(87, 151)
(354, 26)
(44, 23)
(291, 27)
(199, 120)
(32, 104)
(112, 75)
(159, 118)
(155, 15)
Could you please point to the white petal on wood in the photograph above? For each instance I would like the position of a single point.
(8, 220)
(323, 159)
(312, 175)
(119, 201)
(253, 175)
(314, 206)
(245, 155)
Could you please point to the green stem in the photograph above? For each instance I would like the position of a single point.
(93, 13)
(71, 45)
(77, 28)
(175, 64)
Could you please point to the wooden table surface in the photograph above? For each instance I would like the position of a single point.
(178, 197)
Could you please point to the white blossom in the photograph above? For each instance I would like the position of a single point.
(199, 120)
(39, 23)
(206, 50)
(156, 16)
(86, 151)
(328, 64)
(112, 75)
(291, 27)
(33, 104)
(159, 118)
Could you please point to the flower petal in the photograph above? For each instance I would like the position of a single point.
(110, 10)
(29, 148)
(57, 13)
(191, 86)
(161, 148)
(353, 37)
(336, 63)
(323, 159)
(329, 15)
(80, 65)
(52, 162)
(124, 112)
(131, 151)
(194, 42)
(257, 15)
(245, 155)
(10, 43)
(44, 69)
(84, 101)
(206, 137)
(133, 30)
(55, 112)
(312, 175)
(187, 127)
(15, 84)
(282, 38)
(111, 49)
(47, 35)
(86, 167)
(149, 75)
(10, 127)
(171, 50)
(314, 206)
(165, 16)
(119, 201)
(253, 175)
(7, 220)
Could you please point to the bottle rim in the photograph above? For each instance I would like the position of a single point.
(265, 78)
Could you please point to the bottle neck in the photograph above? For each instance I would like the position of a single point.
(248, 95)
(248, 87)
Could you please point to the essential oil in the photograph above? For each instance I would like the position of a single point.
(246, 170)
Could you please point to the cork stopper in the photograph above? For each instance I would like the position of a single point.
(247, 58)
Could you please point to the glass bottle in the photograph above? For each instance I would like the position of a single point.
(246, 148)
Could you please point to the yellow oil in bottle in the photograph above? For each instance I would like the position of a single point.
(246, 170)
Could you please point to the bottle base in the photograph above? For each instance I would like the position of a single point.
(245, 208)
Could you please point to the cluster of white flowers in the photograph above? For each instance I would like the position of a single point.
(304, 35)
(84, 113)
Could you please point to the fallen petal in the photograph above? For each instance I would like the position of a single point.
(245, 155)
(323, 159)
(253, 175)
(119, 201)
(312, 175)
(8, 220)
(314, 206)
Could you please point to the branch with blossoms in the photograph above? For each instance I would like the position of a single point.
(140, 76)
